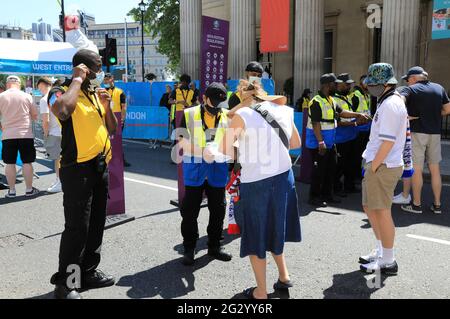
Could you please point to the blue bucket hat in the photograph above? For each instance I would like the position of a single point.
(381, 73)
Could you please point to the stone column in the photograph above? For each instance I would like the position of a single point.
(190, 37)
(242, 36)
(309, 45)
(400, 34)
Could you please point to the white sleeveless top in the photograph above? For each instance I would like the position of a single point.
(261, 151)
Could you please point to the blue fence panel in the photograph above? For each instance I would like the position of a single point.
(146, 123)
(137, 93)
(298, 120)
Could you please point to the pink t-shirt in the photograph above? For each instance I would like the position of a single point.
(17, 113)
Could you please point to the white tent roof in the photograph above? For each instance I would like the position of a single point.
(35, 57)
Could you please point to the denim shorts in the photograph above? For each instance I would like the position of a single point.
(268, 215)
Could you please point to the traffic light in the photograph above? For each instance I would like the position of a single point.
(109, 53)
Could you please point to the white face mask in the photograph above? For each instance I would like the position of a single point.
(97, 82)
(254, 79)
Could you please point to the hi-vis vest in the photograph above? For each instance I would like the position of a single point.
(196, 170)
(184, 95)
(328, 124)
(346, 133)
(116, 106)
(364, 107)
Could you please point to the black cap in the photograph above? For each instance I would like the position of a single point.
(108, 75)
(307, 91)
(328, 78)
(417, 70)
(344, 78)
(217, 93)
(254, 67)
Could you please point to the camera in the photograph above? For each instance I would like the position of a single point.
(101, 163)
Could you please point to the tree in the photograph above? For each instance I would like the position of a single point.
(23, 79)
(162, 21)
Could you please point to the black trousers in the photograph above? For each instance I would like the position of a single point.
(190, 210)
(85, 198)
(346, 162)
(323, 171)
(361, 144)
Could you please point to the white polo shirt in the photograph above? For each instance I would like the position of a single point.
(389, 124)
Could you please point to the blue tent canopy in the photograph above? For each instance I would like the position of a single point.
(36, 57)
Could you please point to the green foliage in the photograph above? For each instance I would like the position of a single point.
(162, 20)
(3, 78)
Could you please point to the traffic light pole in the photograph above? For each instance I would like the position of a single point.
(143, 50)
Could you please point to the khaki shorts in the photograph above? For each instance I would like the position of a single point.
(426, 147)
(53, 147)
(378, 188)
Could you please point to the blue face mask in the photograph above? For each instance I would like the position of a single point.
(107, 86)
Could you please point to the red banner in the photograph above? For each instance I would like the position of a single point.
(275, 17)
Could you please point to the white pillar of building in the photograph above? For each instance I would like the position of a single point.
(309, 45)
(400, 34)
(190, 37)
(242, 36)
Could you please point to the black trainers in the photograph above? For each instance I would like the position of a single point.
(220, 254)
(436, 209)
(188, 257)
(315, 202)
(3, 187)
(97, 279)
(33, 192)
(411, 208)
(332, 200)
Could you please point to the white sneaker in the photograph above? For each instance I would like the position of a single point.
(55, 188)
(371, 258)
(400, 200)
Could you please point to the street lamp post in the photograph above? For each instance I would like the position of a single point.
(143, 8)
(63, 13)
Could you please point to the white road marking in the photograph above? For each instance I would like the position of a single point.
(137, 142)
(151, 184)
(434, 240)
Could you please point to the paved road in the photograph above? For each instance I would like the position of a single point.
(145, 255)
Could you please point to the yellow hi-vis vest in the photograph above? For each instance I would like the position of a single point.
(364, 102)
(184, 95)
(343, 102)
(172, 112)
(345, 133)
(116, 106)
(328, 123)
(194, 125)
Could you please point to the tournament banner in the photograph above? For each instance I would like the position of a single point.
(275, 19)
(116, 201)
(441, 20)
(214, 59)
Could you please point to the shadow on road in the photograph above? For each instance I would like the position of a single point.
(353, 285)
(202, 243)
(168, 281)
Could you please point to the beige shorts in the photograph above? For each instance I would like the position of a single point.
(378, 188)
(427, 148)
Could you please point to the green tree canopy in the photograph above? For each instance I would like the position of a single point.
(162, 20)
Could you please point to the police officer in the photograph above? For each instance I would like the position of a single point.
(361, 103)
(205, 127)
(320, 140)
(118, 103)
(346, 134)
(87, 121)
(253, 72)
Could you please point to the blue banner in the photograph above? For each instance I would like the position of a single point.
(35, 68)
(147, 123)
(441, 20)
(138, 93)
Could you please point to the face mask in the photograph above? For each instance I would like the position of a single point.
(97, 82)
(107, 86)
(254, 79)
(212, 110)
(376, 90)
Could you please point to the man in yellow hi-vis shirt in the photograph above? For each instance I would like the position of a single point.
(87, 120)
(183, 97)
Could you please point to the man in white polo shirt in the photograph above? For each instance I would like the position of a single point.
(384, 166)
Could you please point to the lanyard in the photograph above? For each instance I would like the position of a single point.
(95, 104)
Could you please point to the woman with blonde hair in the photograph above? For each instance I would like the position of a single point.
(267, 211)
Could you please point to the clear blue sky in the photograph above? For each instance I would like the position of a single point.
(24, 12)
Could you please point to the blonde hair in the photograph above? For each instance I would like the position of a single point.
(244, 84)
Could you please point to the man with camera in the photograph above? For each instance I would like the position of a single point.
(87, 121)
